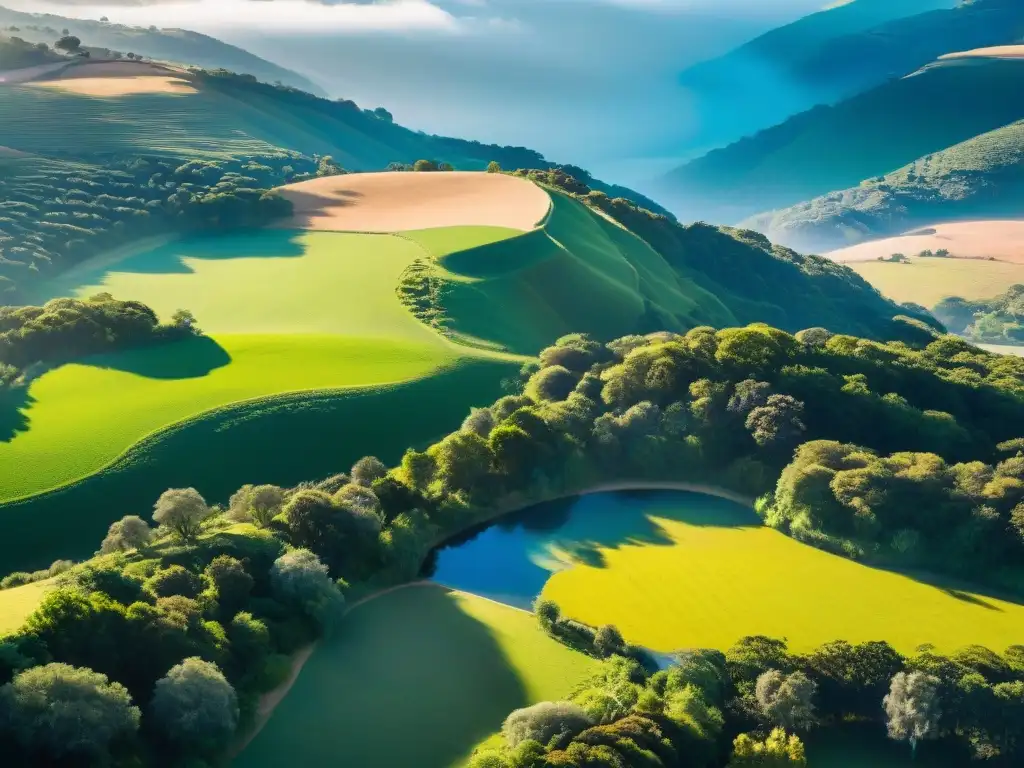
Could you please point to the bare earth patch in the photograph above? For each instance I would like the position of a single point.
(1002, 240)
(994, 52)
(114, 87)
(24, 75)
(393, 202)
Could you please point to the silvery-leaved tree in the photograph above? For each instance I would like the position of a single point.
(912, 707)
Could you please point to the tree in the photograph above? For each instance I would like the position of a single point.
(786, 701)
(480, 421)
(183, 511)
(185, 321)
(195, 707)
(494, 167)
(327, 167)
(259, 503)
(233, 583)
(777, 422)
(608, 641)
(777, 751)
(551, 383)
(68, 43)
(424, 165)
(382, 114)
(547, 613)
(130, 532)
(543, 721)
(368, 469)
(59, 710)
(912, 707)
(299, 578)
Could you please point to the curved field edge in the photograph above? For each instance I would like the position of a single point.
(282, 439)
(140, 445)
(466, 663)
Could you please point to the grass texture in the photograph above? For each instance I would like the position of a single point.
(437, 670)
(18, 602)
(579, 272)
(308, 347)
(928, 281)
(707, 573)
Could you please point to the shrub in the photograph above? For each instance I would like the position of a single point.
(194, 707)
(183, 511)
(544, 721)
(175, 580)
(130, 532)
(59, 710)
(299, 578)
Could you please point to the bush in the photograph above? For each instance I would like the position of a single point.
(544, 721)
(300, 579)
(194, 707)
(175, 580)
(58, 710)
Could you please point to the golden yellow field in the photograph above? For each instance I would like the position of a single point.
(927, 281)
(714, 583)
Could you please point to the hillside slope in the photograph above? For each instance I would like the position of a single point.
(834, 147)
(175, 45)
(104, 153)
(981, 177)
(777, 74)
(603, 266)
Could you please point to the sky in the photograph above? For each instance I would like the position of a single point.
(591, 82)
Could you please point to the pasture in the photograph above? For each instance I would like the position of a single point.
(999, 239)
(928, 281)
(301, 323)
(441, 669)
(17, 603)
(701, 573)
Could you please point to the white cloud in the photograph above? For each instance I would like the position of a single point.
(296, 16)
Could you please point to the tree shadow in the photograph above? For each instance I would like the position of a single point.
(172, 258)
(190, 358)
(308, 204)
(512, 560)
(408, 679)
(14, 402)
(967, 597)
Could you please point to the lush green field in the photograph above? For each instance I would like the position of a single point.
(580, 272)
(437, 670)
(928, 281)
(314, 314)
(18, 602)
(704, 576)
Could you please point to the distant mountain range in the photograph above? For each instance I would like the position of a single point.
(817, 59)
(981, 177)
(830, 148)
(175, 45)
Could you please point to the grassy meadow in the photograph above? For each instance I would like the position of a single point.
(17, 603)
(578, 272)
(928, 281)
(302, 326)
(709, 573)
(440, 670)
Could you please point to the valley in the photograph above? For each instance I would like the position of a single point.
(328, 440)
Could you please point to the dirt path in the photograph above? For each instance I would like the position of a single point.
(271, 699)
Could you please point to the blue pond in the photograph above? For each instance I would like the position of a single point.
(511, 559)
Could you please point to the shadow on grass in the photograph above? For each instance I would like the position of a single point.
(309, 205)
(510, 561)
(409, 679)
(190, 358)
(14, 402)
(170, 258)
(251, 443)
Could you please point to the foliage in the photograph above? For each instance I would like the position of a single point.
(300, 579)
(544, 722)
(777, 751)
(912, 707)
(786, 701)
(57, 710)
(997, 321)
(181, 510)
(130, 532)
(195, 707)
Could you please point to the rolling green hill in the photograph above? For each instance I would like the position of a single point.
(778, 74)
(831, 148)
(596, 265)
(175, 45)
(981, 177)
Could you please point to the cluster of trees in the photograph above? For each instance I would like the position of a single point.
(965, 518)
(997, 321)
(16, 53)
(751, 706)
(743, 269)
(728, 406)
(155, 652)
(54, 215)
(65, 329)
